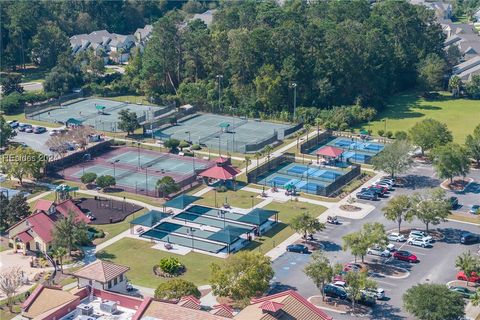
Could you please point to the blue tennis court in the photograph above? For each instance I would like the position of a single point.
(188, 242)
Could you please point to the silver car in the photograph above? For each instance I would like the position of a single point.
(378, 251)
(395, 236)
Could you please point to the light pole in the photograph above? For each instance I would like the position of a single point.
(215, 191)
(146, 179)
(385, 122)
(189, 138)
(294, 86)
(191, 230)
(138, 153)
(219, 142)
(193, 151)
(308, 168)
(252, 200)
(219, 77)
(221, 214)
(114, 162)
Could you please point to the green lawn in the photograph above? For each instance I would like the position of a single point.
(141, 258)
(113, 229)
(460, 115)
(239, 199)
(282, 231)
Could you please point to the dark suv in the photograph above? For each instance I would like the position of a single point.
(333, 291)
(367, 195)
(468, 238)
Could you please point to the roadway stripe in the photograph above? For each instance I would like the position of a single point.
(385, 283)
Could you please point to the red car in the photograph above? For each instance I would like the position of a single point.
(405, 256)
(474, 277)
(353, 267)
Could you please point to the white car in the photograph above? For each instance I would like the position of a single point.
(378, 251)
(378, 293)
(385, 185)
(341, 284)
(395, 236)
(421, 242)
(420, 234)
(390, 182)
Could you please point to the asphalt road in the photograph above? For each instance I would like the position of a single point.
(437, 264)
(34, 141)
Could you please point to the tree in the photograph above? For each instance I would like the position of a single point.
(17, 209)
(399, 209)
(3, 212)
(357, 281)
(450, 160)
(59, 253)
(442, 304)
(475, 300)
(431, 72)
(468, 264)
(394, 158)
(11, 82)
(321, 271)
(242, 276)
(128, 121)
(49, 42)
(472, 143)
(167, 185)
(431, 208)
(473, 87)
(64, 77)
(359, 242)
(81, 135)
(105, 181)
(10, 281)
(6, 132)
(21, 162)
(455, 84)
(68, 232)
(305, 223)
(88, 177)
(429, 133)
(176, 289)
(183, 144)
(171, 144)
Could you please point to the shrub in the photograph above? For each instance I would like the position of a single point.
(171, 265)
(88, 177)
(105, 181)
(381, 132)
(118, 143)
(171, 144)
(195, 147)
(183, 144)
(389, 134)
(188, 154)
(176, 289)
(401, 135)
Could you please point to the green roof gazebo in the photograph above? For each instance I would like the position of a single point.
(73, 122)
(229, 235)
(258, 217)
(181, 202)
(148, 220)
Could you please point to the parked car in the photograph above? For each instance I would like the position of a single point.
(474, 277)
(466, 293)
(378, 251)
(332, 220)
(378, 191)
(53, 132)
(475, 209)
(300, 248)
(421, 242)
(382, 190)
(395, 236)
(340, 283)
(378, 293)
(333, 291)
(23, 126)
(453, 202)
(420, 234)
(405, 256)
(13, 123)
(366, 300)
(469, 238)
(384, 184)
(29, 129)
(354, 267)
(39, 130)
(367, 195)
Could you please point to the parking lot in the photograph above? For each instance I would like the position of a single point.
(35, 141)
(436, 264)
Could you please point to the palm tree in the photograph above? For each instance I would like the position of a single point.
(455, 84)
(467, 263)
(318, 123)
(268, 151)
(247, 162)
(476, 298)
(307, 128)
(59, 253)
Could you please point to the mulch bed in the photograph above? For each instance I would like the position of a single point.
(339, 305)
(349, 208)
(106, 210)
(385, 269)
(456, 185)
(436, 235)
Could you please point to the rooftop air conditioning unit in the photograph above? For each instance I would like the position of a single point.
(109, 307)
(84, 310)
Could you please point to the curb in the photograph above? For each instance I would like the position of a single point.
(464, 222)
(324, 308)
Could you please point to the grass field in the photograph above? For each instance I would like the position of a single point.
(460, 115)
(113, 229)
(279, 233)
(141, 258)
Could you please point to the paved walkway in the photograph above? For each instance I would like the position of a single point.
(39, 196)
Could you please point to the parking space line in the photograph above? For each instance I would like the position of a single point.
(385, 283)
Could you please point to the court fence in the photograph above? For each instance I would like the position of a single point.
(51, 104)
(289, 131)
(314, 142)
(342, 180)
(253, 175)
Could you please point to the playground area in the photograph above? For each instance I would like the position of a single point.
(210, 229)
(138, 170)
(356, 150)
(100, 114)
(106, 210)
(231, 134)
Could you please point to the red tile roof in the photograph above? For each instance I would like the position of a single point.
(42, 205)
(24, 236)
(225, 172)
(329, 151)
(42, 225)
(68, 206)
(271, 306)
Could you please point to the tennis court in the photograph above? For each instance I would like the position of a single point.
(138, 170)
(232, 134)
(209, 221)
(102, 114)
(356, 150)
(309, 179)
